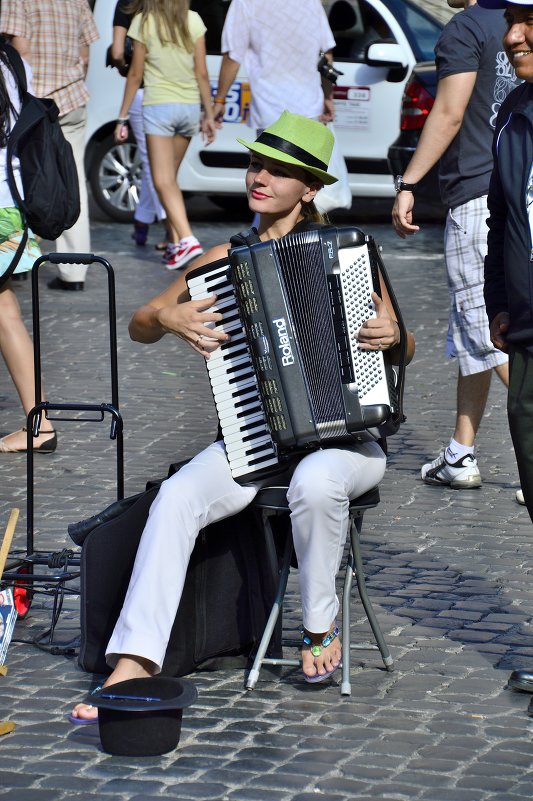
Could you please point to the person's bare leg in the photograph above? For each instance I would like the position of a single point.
(127, 667)
(472, 393)
(502, 371)
(166, 154)
(17, 350)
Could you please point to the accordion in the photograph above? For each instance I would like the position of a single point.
(292, 378)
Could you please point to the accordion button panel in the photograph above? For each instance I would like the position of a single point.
(370, 379)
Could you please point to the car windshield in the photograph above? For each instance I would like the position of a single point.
(420, 28)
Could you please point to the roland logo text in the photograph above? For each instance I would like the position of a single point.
(284, 344)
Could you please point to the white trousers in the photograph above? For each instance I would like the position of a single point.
(203, 492)
(149, 208)
(78, 238)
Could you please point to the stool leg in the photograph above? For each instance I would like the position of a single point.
(253, 675)
(355, 531)
(346, 686)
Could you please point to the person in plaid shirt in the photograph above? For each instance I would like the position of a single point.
(54, 36)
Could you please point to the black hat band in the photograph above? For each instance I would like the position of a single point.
(290, 149)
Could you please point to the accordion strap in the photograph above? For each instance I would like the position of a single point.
(402, 361)
(248, 237)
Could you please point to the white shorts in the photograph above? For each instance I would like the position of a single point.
(171, 119)
(465, 247)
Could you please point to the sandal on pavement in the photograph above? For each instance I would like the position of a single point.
(48, 446)
(77, 721)
(82, 721)
(316, 649)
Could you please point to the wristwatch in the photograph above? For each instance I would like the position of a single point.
(400, 185)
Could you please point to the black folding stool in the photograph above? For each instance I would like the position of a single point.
(272, 501)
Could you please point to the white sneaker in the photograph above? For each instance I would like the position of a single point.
(184, 254)
(462, 474)
(520, 497)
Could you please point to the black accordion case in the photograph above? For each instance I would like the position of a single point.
(226, 600)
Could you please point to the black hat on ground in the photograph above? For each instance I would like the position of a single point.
(142, 717)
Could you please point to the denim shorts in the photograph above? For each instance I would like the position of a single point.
(169, 119)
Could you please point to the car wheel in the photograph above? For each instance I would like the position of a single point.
(115, 178)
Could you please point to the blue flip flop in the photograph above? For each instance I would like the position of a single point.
(83, 721)
(316, 678)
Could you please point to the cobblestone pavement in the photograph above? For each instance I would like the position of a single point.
(449, 573)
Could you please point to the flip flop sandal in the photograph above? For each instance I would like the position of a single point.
(316, 650)
(82, 721)
(76, 721)
(317, 678)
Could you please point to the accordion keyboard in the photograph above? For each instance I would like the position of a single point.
(249, 446)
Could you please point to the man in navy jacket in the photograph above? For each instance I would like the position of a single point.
(509, 261)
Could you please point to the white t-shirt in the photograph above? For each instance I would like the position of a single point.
(6, 199)
(278, 43)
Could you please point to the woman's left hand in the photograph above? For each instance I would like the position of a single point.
(208, 128)
(380, 332)
(121, 131)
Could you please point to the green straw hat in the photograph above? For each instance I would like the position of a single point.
(297, 140)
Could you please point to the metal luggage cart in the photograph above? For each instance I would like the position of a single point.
(35, 571)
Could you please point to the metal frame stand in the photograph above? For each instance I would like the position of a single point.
(272, 501)
(21, 568)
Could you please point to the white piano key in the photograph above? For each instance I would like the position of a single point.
(224, 393)
(231, 403)
(220, 380)
(199, 282)
(251, 428)
(242, 461)
(223, 304)
(228, 326)
(244, 471)
(228, 366)
(239, 412)
(227, 350)
(242, 424)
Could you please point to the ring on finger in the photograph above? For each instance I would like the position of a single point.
(198, 341)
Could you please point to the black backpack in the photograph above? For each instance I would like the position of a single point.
(51, 202)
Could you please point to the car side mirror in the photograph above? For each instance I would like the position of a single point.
(385, 54)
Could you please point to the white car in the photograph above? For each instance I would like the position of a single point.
(378, 43)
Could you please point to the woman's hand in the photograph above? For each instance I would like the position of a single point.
(208, 128)
(190, 321)
(121, 131)
(380, 332)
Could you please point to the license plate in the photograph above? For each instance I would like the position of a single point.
(237, 102)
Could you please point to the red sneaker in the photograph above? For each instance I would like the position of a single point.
(184, 254)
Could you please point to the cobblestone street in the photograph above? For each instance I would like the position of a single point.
(449, 573)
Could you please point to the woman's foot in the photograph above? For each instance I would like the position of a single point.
(17, 442)
(127, 668)
(140, 232)
(321, 654)
(163, 245)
